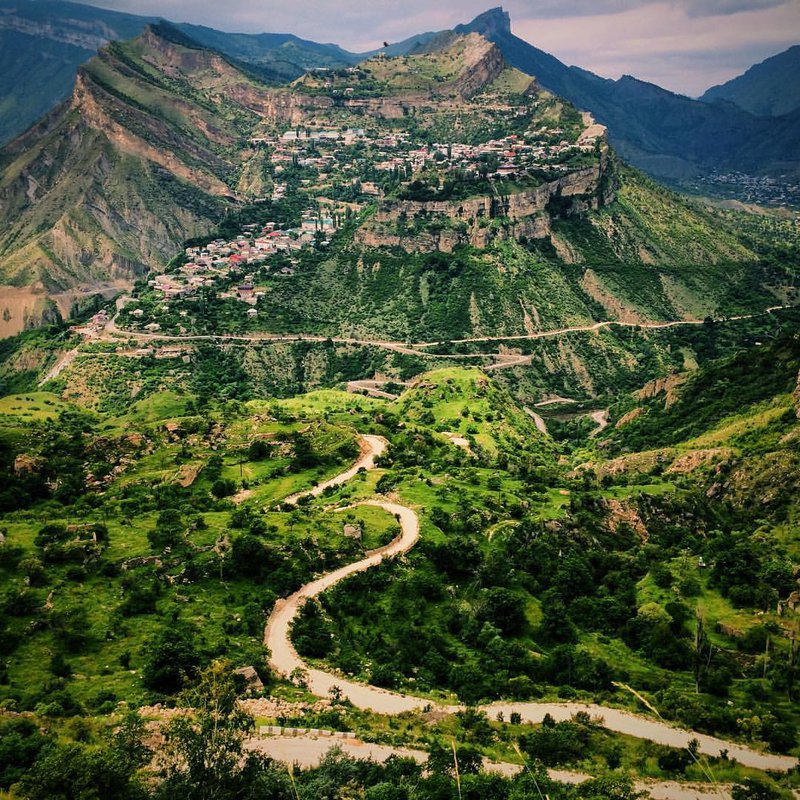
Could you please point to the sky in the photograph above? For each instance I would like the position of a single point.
(682, 45)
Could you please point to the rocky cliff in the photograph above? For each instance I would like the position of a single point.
(442, 225)
(113, 182)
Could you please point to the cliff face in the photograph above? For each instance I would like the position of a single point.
(483, 65)
(469, 221)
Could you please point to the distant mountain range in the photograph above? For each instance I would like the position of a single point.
(43, 42)
(674, 138)
(768, 89)
(668, 135)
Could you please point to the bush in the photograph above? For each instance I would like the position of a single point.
(555, 743)
(224, 487)
(170, 659)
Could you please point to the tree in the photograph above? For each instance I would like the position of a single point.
(610, 787)
(204, 756)
(754, 789)
(171, 658)
(258, 450)
(223, 487)
(168, 531)
(442, 759)
(504, 609)
(703, 651)
(304, 456)
(311, 631)
(20, 744)
(80, 772)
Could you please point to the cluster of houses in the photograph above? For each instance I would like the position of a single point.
(329, 150)
(221, 261)
(512, 154)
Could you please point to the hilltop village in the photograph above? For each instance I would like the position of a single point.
(402, 155)
(337, 173)
(233, 269)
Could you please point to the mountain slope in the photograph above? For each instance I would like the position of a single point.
(43, 43)
(280, 56)
(665, 134)
(768, 89)
(110, 184)
(732, 426)
(520, 219)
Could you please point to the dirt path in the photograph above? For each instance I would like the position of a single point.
(283, 656)
(307, 751)
(61, 364)
(285, 660)
(502, 360)
(372, 388)
(538, 419)
(371, 448)
(553, 401)
(601, 418)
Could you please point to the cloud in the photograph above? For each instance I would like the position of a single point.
(560, 9)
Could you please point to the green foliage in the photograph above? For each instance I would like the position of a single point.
(80, 772)
(21, 742)
(171, 659)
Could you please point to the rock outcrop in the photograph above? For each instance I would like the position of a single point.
(417, 225)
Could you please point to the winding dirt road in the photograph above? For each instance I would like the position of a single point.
(307, 751)
(502, 360)
(285, 660)
(371, 448)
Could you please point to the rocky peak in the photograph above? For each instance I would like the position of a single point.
(494, 22)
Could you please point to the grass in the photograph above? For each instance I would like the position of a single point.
(31, 407)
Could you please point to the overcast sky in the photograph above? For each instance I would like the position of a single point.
(683, 45)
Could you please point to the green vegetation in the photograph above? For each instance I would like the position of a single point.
(148, 506)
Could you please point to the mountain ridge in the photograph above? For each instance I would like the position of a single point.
(768, 88)
(163, 137)
(667, 135)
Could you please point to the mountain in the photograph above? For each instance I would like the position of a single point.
(768, 89)
(109, 184)
(279, 56)
(667, 135)
(470, 200)
(43, 42)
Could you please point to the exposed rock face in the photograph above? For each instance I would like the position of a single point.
(695, 459)
(93, 36)
(468, 221)
(484, 63)
(796, 396)
(667, 386)
(622, 513)
(105, 188)
(630, 416)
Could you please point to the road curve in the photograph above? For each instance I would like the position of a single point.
(283, 656)
(285, 660)
(307, 751)
(371, 448)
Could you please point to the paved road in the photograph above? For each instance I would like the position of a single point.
(285, 660)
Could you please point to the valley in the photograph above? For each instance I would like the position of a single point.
(386, 406)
